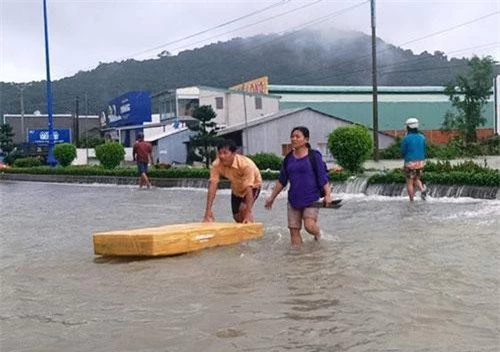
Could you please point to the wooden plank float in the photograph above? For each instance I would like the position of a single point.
(173, 239)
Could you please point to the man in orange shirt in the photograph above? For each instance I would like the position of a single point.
(142, 152)
(245, 182)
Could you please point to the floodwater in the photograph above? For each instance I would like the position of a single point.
(386, 276)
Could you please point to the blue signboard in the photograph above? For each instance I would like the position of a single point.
(132, 108)
(41, 135)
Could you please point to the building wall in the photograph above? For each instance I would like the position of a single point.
(235, 105)
(41, 121)
(436, 136)
(208, 97)
(172, 148)
(270, 136)
(391, 115)
(245, 104)
(395, 105)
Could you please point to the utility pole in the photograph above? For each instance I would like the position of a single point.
(75, 123)
(86, 129)
(245, 149)
(23, 134)
(374, 82)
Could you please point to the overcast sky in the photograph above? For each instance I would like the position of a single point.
(83, 33)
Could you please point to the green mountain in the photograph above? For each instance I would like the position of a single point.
(302, 58)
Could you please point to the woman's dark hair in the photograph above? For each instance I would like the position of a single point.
(227, 143)
(304, 130)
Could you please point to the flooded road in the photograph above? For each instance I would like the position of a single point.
(386, 276)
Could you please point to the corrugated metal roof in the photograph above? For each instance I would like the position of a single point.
(277, 88)
(166, 134)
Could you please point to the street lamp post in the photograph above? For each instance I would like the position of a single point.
(50, 157)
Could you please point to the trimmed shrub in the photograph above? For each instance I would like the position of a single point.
(65, 153)
(266, 161)
(351, 146)
(27, 162)
(110, 155)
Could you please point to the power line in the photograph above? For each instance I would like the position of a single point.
(399, 63)
(451, 28)
(360, 59)
(249, 25)
(287, 33)
(280, 3)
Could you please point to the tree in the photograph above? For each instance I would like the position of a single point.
(6, 142)
(202, 144)
(469, 96)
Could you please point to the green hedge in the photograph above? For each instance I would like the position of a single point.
(442, 178)
(266, 161)
(174, 172)
(27, 162)
(462, 174)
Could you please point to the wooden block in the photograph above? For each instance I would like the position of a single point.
(173, 239)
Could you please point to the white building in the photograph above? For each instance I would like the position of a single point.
(232, 107)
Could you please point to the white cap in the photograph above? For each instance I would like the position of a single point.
(412, 122)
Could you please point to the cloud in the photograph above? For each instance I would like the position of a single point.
(84, 33)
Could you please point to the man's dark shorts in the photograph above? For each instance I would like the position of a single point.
(142, 167)
(236, 201)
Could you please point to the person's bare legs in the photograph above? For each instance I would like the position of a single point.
(418, 184)
(409, 188)
(295, 237)
(145, 180)
(240, 216)
(311, 226)
(237, 217)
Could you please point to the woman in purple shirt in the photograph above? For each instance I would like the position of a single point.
(305, 186)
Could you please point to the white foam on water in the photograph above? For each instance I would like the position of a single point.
(488, 210)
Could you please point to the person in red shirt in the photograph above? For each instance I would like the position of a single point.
(142, 153)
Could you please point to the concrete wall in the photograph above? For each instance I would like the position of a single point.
(172, 148)
(86, 156)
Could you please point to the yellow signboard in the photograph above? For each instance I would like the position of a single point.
(258, 86)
